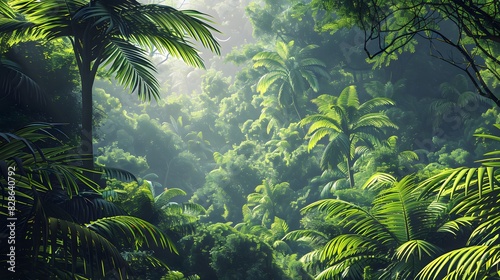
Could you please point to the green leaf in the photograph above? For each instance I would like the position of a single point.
(133, 230)
(132, 68)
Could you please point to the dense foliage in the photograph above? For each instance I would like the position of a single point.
(325, 143)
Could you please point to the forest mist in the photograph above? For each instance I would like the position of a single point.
(320, 139)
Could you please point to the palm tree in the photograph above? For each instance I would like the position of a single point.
(292, 69)
(115, 34)
(264, 202)
(392, 240)
(62, 229)
(350, 126)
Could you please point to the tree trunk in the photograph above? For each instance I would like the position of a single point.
(86, 147)
(350, 172)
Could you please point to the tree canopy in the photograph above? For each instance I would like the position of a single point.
(463, 33)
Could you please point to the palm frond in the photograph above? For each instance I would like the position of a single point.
(14, 31)
(193, 23)
(487, 231)
(400, 210)
(69, 244)
(13, 80)
(417, 250)
(268, 79)
(324, 102)
(373, 104)
(307, 49)
(467, 97)
(310, 61)
(45, 26)
(317, 135)
(311, 79)
(353, 217)
(283, 49)
(348, 97)
(319, 121)
(89, 206)
(460, 180)
(312, 237)
(477, 204)
(149, 37)
(379, 181)
(408, 156)
(296, 82)
(6, 10)
(457, 225)
(132, 230)
(269, 60)
(346, 246)
(193, 209)
(473, 262)
(346, 256)
(53, 167)
(329, 188)
(132, 68)
(104, 17)
(117, 173)
(167, 195)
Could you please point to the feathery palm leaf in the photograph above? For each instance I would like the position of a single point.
(394, 237)
(166, 196)
(467, 180)
(117, 173)
(312, 237)
(133, 231)
(473, 262)
(267, 80)
(86, 253)
(354, 217)
(13, 80)
(132, 67)
(474, 195)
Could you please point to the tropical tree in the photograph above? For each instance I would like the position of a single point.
(352, 128)
(114, 34)
(293, 70)
(269, 201)
(394, 239)
(63, 226)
